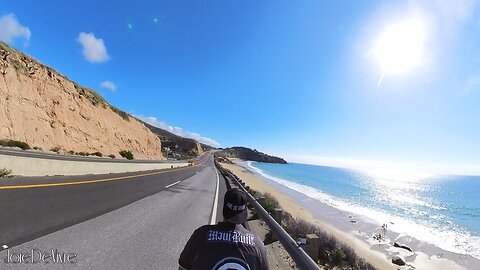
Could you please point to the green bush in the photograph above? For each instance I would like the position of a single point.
(91, 95)
(339, 256)
(71, 152)
(37, 148)
(55, 149)
(126, 154)
(98, 154)
(123, 114)
(270, 203)
(14, 143)
(5, 172)
(111, 156)
(84, 154)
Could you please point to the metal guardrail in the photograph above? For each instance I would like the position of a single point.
(300, 257)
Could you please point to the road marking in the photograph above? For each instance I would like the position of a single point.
(171, 185)
(215, 202)
(98, 180)
(62, 157)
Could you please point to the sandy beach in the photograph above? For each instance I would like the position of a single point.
(356, 231)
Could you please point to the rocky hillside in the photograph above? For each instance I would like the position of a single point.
(40, 106)
(249, 154)
(174, 146)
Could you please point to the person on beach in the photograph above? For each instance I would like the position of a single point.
(226, 245)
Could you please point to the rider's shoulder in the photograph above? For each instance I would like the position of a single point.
(218, 226)
(205, 228)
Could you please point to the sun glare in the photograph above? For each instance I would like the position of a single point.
(400, 47)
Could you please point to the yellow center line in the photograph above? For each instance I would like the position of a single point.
(100, 180)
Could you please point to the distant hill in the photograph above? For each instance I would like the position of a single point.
(249, 154)
(174, 146)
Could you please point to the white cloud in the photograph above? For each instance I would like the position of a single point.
(11, 29)
(177, 130)
(109, 85)
(94, 48)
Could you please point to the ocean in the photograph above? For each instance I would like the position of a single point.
(440, 210)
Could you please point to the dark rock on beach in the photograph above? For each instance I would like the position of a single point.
(398, 260)
(402, 246)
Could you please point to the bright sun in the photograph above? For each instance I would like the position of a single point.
(400, 47)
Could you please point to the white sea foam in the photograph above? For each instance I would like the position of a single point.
(448, 237)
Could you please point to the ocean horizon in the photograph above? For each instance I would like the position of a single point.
(441, 210)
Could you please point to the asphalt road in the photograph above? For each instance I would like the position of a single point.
(12, 151)
(110, 222)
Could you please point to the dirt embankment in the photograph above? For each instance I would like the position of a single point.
(40, 106)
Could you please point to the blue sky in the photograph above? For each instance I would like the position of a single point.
(296, 79)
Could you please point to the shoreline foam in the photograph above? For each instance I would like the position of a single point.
(358, 235)
(446, 240)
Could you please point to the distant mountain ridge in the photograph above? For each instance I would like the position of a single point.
(249, 154)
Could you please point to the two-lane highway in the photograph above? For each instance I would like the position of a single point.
(127, 221)
(13, 151)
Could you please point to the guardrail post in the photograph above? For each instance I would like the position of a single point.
(313, 246)
(261, 200)
(277, 215)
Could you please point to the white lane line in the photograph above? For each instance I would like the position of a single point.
(171, 185)
(215, 202)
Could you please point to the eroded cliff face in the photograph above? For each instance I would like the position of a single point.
(199, 148)
(45, 109)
